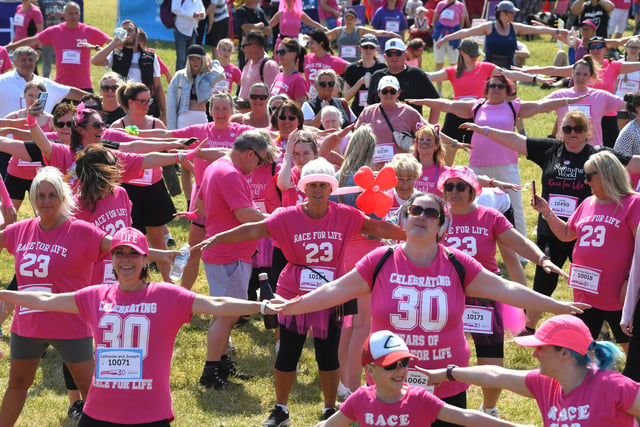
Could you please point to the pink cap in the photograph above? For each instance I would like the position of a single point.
(384, 348)
(460, 172)
(132, 238)
(589, 23)
(564, 331)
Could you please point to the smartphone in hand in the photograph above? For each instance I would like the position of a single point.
(42, 99)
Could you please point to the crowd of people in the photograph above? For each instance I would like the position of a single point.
(281, 160)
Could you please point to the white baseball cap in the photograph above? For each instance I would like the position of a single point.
(395, 44)
(389, 81)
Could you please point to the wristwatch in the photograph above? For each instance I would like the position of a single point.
(450, 369)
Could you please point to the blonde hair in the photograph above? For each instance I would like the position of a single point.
(613, 175)
(406, 164)
(54, 177)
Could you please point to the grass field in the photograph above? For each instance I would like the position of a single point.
(248, 404)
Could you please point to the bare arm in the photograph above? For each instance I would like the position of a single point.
(15, 148)
(439, 76)
(551, 70)
(459, 108)
(559, 227)
(633, 289)
(337, 420)
(29, 41)
(629, 67)
(146, 146)
(480, 30)
(76, 94)
(275, 19)
(511, 140)
(101, 58)
(530, 108)
(310, 22)
(382, 229)
(224, 306)
(42, 300)
(526, 248)
(241, 233)
(470, 418)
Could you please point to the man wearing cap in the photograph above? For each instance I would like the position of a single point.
(357, 76)
(227, 201)
(596, 11)
(414, 82)
(135, 64)
(395, 398)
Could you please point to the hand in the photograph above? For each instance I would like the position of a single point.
(545, 80)
(541, 205)
(576, 99)
(434, 376)
(572, 307)
(190, 215)
(206, 243)
(416, 101)
(550, 267)
(272, 308)
(287, 306)
(10, 215)
(506, 186)
(627, 327)
(439, 43)
(36, 109)
(470, 126)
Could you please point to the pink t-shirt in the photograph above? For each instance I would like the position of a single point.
(146, 320)
(109, 214)
(232, 75)
(452, 14)
(53, 261)
(264, 189)
(5, 60)
(293, 196)
(317, 243)
(24, 169)
(602, 399)
(597, 103)
(475, 234)
(289, 25)
(216, 138)
(22, 19)
(486, 152)
(469, 85)
(73, 63)
(292, 85)
(313, 64)
(323, 14)
(251, 75)
(427, 183)
(224, 189)
(424, 306)
(607, 76)
(604, 245)
(416, 408)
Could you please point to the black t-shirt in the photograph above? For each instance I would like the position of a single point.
(111, 116)
(414, 84)
(563, 171)
(598, 15)
(352, 74)
(245, 15)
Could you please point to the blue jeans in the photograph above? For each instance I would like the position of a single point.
(182, 43)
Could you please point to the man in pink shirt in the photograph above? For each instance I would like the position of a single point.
(226, 199)
(69, 39)
(259, 67)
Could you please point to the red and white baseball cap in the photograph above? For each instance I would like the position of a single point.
(563, 331)
(384, 348)
(132, 238)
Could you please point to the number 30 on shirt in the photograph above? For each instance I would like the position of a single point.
(426, 308)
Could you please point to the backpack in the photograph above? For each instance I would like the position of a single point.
(166, 16)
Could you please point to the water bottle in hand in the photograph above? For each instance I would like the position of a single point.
(270, 320)
(179, 263)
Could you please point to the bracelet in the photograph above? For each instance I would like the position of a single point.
(547, 215)
(31, 120)
(191, 216)
(535, 78)
(486, 131)
(263, 305)
(492, 182)
(542, 259)
(450, 369)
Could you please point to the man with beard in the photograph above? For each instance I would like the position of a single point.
(135, 64)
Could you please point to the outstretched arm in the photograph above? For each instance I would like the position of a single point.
(224, 306)
(42, 300)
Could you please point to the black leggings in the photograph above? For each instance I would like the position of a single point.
(632, 367)
(291, 344)
(594, 318)
(458, 400)
(559, 252)
(610, 130)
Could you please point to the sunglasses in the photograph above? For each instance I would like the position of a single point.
(403, 363)
(144, 101)
(60, 125)
(391, 53)
(568, 129)
(109, 88)
(242, 46)
(388, 91)
(367, 47)
(261, 161)
(282, 51)
(460, 186)
(255, 97)
(589, 175)
(497, 86)
(290, 118)
(416, 210)
(596, 46)
(325, 84)
(95, 125)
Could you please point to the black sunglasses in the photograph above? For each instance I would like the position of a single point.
(497, 86)
(261, 161)
(402, 362)
(290, 118)
(325, 84)
(386, 91)
(589, 175)
(60, 125)
(367, 47)
(258, 96)
(109, 88)
(282, 51)
(391, 53)
(96, 125)
(144, 101)
(415, 210)
(460, 186)
(242, 46)
(568, 129)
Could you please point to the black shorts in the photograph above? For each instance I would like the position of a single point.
(219, 31)
(151, 205)
(17, 187)
(87, 421)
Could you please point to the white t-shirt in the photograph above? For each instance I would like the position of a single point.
(12, 87)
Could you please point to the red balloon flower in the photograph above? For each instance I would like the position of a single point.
(375, 199)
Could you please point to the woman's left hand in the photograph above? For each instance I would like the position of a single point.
(572, 307)
(506, 186)
(576, 99)
(550, 267)
(10, 215)
(434, 376)
(285, 306)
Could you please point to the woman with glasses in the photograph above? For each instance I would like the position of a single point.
(313, 236)
(418, 290)
(563, 185)
(357, 75)
(389, 116)
(111, 109)
(320, 58)
(604, 227)
(477, 231)
(257, 115)
(290, 81)
(325, 83)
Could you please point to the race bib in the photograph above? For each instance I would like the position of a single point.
(119, 364)
(348, 51)
(383, 153)
(583, 108)
(260, 205)
(584, 278)
(18, 20)
(562, 205)
(24, 163)
(310, 280)
(448, 14)
(108, 275)
(37, 287)
(478, 320)
(362, 97)
(147, 175)
(393, 26)
(419, 379)
(70, 56)
(629, 86)
(467, 98)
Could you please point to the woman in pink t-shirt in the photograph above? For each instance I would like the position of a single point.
(138, 393)
(28, 21)
(290, 81)
(320, 58)
(419, 291)
(604, 227)
(571, 387)
(290, 18)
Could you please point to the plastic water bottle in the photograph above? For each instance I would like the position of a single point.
(270, 320)
(179, 263)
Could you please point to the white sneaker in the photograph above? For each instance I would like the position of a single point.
(494, 412)
(343, 392)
